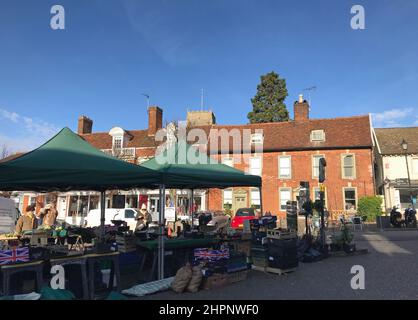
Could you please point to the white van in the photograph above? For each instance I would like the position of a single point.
(93, 217)
(8, 215)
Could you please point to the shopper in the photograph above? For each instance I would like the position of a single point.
(50, 215)
(27, 221)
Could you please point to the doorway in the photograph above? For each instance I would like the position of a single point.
(239, 200)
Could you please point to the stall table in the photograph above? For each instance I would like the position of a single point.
(149, 247)
(75, 260)
(99, 257)
(8, 270)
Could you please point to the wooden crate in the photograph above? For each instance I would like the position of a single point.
(273, 270)
(260, 262)
(126, 243)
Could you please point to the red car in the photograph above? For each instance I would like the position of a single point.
(240, 216)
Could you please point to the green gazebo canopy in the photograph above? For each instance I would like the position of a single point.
(68, 162)
(183, 166)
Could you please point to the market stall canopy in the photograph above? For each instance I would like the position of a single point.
(183, 166)
(67, 162)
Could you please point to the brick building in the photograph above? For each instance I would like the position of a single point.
(290, 154)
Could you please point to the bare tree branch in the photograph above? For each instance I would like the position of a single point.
(4, 151)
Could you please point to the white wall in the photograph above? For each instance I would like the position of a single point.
(394, 167)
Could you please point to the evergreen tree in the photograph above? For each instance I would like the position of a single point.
(268, 103)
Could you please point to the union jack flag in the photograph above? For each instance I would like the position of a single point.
(14, 255)
(211, 255)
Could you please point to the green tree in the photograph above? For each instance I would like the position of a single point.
(268, 103)
(370, 206)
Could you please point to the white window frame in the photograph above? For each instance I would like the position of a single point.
(343, 156)
(257, 138)
(280, 197)
(356, 197)
(319, 156)
(314, 189)
(261, 166)
(223, 196)
(257, 198)
(290, 167)
(320, 132)
(115, 138)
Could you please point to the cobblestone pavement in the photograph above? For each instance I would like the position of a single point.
(391, 272)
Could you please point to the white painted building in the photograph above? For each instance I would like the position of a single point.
(396, 156)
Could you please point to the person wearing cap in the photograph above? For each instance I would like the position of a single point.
(143, 218)
(27, 221)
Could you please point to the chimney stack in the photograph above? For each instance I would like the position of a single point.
(155, 120)
(301, 109)
(85, 125)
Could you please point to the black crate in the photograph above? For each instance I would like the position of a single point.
(283, 262)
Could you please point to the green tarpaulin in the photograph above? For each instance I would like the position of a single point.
(183, 166)
(68, 162)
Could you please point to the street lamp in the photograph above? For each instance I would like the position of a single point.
(404, 146)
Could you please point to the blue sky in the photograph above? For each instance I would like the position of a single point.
(112, 51)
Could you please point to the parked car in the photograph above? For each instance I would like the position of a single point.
(219, 220)
(8, 215)
(240, 216)
(93, 217)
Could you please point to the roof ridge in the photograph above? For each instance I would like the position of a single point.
(286, 122)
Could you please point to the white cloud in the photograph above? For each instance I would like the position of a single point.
(29, 134)
(13, 116)
(394, 118)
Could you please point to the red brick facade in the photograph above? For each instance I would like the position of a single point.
(301, 170)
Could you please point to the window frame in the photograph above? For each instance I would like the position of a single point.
(317, 140)
(261, 165)
(290, 167)
(223, 196)
(325, 195)
(280, 197)
(258, 141)
(356, 197)
(343, 156)
(116, 138)
(256, 190)
(319, 156)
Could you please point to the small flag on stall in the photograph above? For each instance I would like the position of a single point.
(14, 255)
(211, 255)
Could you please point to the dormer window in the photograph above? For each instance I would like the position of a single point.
(119, 138)
(317, 135)
(117, 142)
(257, 138)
